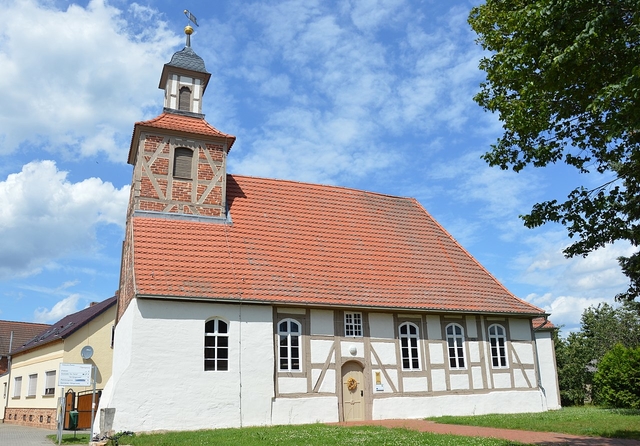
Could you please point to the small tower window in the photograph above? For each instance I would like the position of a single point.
(184, 100)
(182, 162)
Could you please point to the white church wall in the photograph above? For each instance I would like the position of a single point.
(516, 401)
(318, 409)
(547, 364)
(167, 387)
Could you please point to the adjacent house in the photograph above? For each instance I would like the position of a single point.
(33, 376)
(253, 301)
(13, 334)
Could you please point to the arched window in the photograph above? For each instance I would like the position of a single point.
(455, 342)
(409, 346)
(182, 162)
(216, 345)
(289, 345)
(184, 99)
(498, 342)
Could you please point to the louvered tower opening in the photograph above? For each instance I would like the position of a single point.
(182, 162)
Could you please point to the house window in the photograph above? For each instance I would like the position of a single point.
(289, 345)
(17, 386)
(33, 382)
(353, 324)
(50, 382)
(455, 342)
(216, 345)
(498, 342)
(184, 99)
(182, 162)
(409, 346)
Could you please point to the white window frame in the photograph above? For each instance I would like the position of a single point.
(289, 346)
(455, 346)
(353, 325)
(409, 346)
(498, 346)
(49, 383)
(216, 356)
(17, 386)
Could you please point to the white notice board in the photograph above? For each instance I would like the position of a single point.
(74, 375)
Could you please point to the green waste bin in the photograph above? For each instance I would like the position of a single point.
(73, 420)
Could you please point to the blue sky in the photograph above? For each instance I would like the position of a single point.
(369, 94)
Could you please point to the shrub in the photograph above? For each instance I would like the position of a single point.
(617, 381)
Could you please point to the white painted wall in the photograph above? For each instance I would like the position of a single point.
(469, 404)
(548, 372)
(159, 380)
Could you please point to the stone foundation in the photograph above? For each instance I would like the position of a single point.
(44, 418)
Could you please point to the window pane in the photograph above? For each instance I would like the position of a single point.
(209, 364)
(294, 327)
(294, 341)
(283, 340)
(404, 342)
(222, 326)
(415, 363)
(222, 365)
(210, 326)
(223, 353)
(284, 363)
(403, 329)
(209, 341)
(283, 326)
(405, 363)
(295, 363)
(295, 353)
(284, 352)
(223, 341)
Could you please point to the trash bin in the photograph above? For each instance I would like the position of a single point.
(73, 420)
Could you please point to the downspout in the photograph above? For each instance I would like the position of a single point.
(6, 402)
(535, 340)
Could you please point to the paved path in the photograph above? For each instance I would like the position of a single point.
(14, 435)
(544, 438)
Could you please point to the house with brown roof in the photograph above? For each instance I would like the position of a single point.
(287, 302)
(32, 382)
(13, 334)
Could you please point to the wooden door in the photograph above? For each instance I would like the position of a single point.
(352, 392)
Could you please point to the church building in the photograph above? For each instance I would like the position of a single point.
(250, 301)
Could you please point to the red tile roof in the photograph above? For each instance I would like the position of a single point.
(310, 244)
(178, 123)
(65, 326)
(541, 323)
(22, 332)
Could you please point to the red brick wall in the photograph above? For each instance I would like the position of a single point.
(44, 418)
(151, 195)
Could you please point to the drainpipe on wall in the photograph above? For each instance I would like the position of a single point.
(6, 402)
(538, 358)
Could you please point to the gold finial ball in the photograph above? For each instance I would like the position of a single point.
(188, 30)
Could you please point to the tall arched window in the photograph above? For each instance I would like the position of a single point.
(216, 345)
(289, 345)
(182, 162)
(184, 99)
(498, 342)
(455, 342)
(409, 351)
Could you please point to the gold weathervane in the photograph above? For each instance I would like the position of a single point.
(188, 30)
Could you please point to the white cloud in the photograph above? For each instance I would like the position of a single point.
(74, 81)
(43, 216)
(574, 284)
(66, 306)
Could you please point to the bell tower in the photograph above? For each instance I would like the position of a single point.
(180, 159)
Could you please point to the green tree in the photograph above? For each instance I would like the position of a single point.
(564, 78)
(578, 357)
(617, 381)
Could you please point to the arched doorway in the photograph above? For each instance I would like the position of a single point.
(353, 391)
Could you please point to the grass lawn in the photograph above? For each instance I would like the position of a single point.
(586, 420)
(311, 434)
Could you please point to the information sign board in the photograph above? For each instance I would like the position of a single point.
(74, 375)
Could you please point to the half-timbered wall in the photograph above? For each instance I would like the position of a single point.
(325, 349)
(156, 189)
